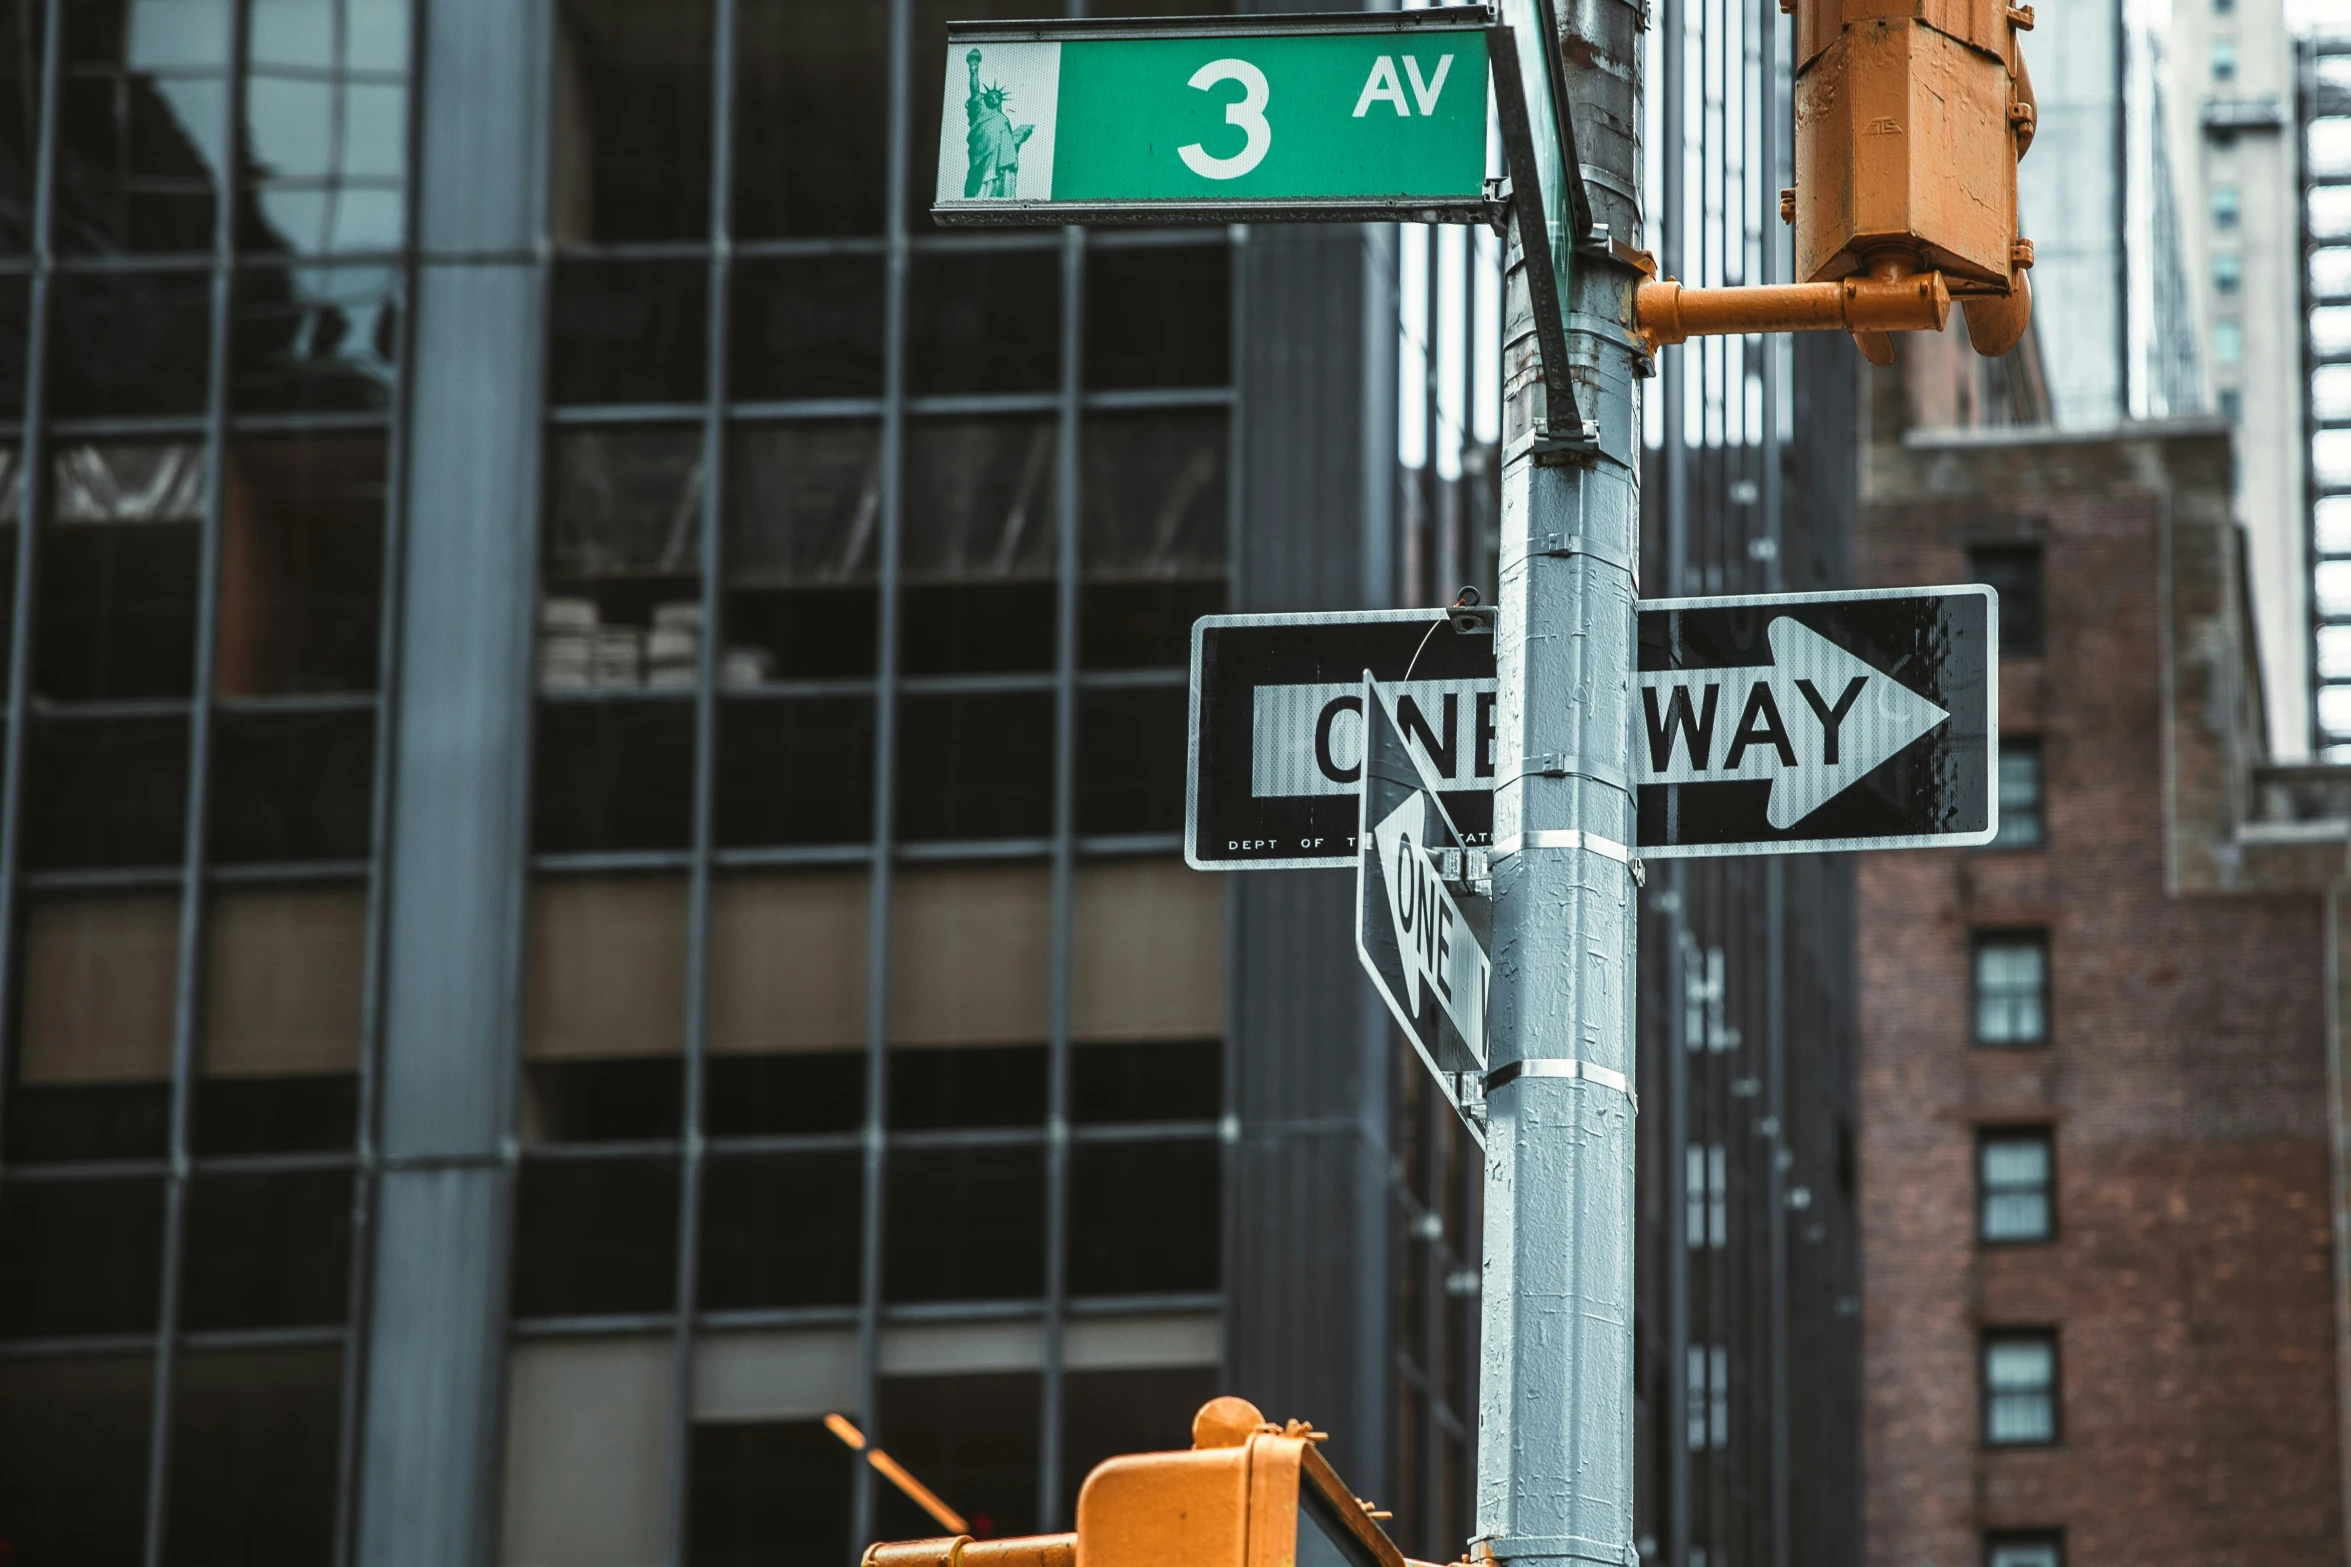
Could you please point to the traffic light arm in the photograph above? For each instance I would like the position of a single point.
(1032, 1550)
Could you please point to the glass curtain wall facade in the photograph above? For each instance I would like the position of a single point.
(202, 215)
(2323, 127)
(872, 1040)
(869, 1049)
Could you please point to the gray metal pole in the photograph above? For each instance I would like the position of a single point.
(1555, 1430)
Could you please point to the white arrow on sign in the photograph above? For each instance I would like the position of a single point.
(1433, 939)
(1814, 721)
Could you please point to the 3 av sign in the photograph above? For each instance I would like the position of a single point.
(1783, 723)
(1363, 115)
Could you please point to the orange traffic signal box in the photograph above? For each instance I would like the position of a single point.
(1247, 1493)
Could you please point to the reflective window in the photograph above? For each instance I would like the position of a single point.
(2014, 572)
(2015, 1186)
(2022, 806)
(2020, 1388)
(632, 104)
(2012, 990)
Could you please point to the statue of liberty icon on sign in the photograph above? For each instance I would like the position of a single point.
(993, 143)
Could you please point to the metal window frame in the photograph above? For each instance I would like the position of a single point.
(1063, 849)
(1978, 942)
(2046, 1135)
(195, 876)
(1986, 1340)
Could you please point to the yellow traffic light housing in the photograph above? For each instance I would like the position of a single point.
(1247, 1493)
(1910, 118)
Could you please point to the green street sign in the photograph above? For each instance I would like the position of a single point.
(1360, 115)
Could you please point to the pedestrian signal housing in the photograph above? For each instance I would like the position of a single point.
(1247, 1493)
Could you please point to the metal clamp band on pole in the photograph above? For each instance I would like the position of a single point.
(1561, 764)
(1580, 543)
(1555, 1548)
(1579, 1071)
(1564, 838)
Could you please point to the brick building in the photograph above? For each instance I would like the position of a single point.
(2099, 1064)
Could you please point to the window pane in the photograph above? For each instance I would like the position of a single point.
(757, 1485)
(629, 332)
(587, 1445)
(595, 1237)
(282, 984)
(2020, 795)
(787, 976)
(804, 504)
(315, 339)
(1131, 760)
(1155, 495)
(20, 120)
(1143, 1217)
(85, 1257)
(614, 775)
(2020, 1390)
(2027, 1553)
(2013, 1170)
(73, 1458)
(1143, 624)
(772, 1096)
(255, 1440)
(1158, 316)
(106, 792)
(632, 119)
(129, 344)
(781, 1230)
(983, 320)
(142, 125)
(989, 772)
(970, 954)
(807, 326)
(292, 786)
(15, 300)
(302, 564)
(973, 1440)
(795, 772)
(268, 1250)
(964, 1224)
(1170, 1080)
(2011, 993)
(93, 1058)
(607, 975)
(980, 500)
(326, 124)
(810, 74)
(960, 628)
(2014, 572)
(967, 1085)
(116, 611)
(622, 1100)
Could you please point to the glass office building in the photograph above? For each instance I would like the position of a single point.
(589, 825)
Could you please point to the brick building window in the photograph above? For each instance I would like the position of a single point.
(2024, 1550)
(2015, 1186)
(2014, 572)
(2020, 1388)
(2021, 814)
(2012, 989)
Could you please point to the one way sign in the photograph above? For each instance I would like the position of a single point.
(1780, 723)
(1424, 947)
(1861, 720)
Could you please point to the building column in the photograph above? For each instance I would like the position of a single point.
(434, 1333)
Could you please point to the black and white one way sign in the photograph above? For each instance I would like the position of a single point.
(1771, 723)
(1424, 948)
